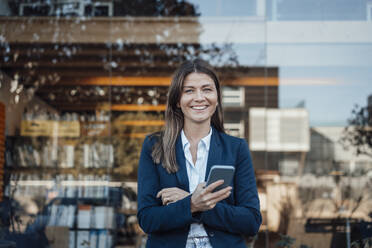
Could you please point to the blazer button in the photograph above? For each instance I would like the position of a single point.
(211, 234)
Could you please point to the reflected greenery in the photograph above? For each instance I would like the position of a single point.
(358, 134)
(96, 8)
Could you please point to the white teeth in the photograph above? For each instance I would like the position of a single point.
(199, 107)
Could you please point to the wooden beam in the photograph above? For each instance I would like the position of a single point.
(76, 63)
(164, 81)
(134, 107)
(141, 123)
(80, 72)
(252, 81)
(135, 135)
(47, 50)
(160, 70)
(101, 30)
(119, 81)
(108, 107)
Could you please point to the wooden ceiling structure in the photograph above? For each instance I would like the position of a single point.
(82, 64)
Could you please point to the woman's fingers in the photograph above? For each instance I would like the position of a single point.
(221, 192)
(217, 196)
(164, 191)
(222, 196)
(214, 185)
(166, 200)
(212, 203)
(169, 195)
(204, 199)
(159, 194)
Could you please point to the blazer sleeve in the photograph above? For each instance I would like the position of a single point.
(152, 215)
(244, 217)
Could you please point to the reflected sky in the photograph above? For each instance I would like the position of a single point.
(329, 78)
(326, 67)
(323, 55)
(287, 10)
(329, 93)
(225, 8)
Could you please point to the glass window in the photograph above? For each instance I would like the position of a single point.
(83, 82)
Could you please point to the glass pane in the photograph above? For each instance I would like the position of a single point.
(313, 147)
(59, 156)
(83, 82)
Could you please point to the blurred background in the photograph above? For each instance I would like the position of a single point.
(82, 82)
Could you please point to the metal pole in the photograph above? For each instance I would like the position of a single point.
(267, 244)
(347, 233)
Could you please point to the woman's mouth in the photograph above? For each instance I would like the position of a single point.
(199, 107)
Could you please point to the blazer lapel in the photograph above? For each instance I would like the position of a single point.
(215, 152)
(181, 162)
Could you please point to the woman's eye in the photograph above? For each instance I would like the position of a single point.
(207, 89)
(188, 91)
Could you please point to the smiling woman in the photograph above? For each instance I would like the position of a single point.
(175, 206)
(174, 115)
(199, 99)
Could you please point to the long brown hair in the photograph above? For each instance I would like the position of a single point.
(164, 151)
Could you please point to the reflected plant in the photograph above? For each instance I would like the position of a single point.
(364, 243)
(37, 66)
(285, 207)
(154, 8)
(288, 242)
(285, 241)
(358, 133)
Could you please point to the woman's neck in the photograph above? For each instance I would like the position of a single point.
(196, 131)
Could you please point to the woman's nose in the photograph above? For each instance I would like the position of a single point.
(199, 95)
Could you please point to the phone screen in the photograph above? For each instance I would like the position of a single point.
(225, 172)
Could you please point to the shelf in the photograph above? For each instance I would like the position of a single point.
(57, 170)
(116, 173)
(134, 107)
(91, 229)
(140, 123)
(112, 200)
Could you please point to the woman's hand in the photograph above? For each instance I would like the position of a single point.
(204, 199)
(170, 195)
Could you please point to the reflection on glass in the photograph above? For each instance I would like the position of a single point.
(83, 82)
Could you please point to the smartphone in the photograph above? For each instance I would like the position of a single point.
(217, 172)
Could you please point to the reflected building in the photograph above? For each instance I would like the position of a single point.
(291, 10)
(83, 82)
(370, 108)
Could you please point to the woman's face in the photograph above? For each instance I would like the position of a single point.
(199, 98)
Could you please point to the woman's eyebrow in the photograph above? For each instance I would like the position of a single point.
(207, 85)
(202, 86)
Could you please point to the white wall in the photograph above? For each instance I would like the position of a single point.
(334, 134)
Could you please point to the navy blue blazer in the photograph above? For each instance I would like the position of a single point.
(225, 224)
